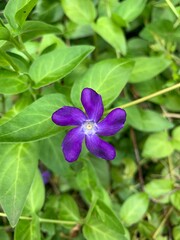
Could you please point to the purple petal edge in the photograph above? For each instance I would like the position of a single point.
(72, 144)
(92, 103)
(112, 123)
(68, 116)
(99, 147)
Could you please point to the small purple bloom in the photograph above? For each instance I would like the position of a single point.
(89, 126)
(46, 176)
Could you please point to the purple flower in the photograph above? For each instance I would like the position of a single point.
(89, 127)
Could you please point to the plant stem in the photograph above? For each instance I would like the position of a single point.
(173, 8)
(23, 49)
(143, 99)
(20, 46)
(22, 217)
(162, 223)
(45, 220)
(171, 115)
(170, 168)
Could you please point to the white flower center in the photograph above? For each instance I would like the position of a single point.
(89, 127)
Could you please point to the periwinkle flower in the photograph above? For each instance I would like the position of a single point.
(89, 126)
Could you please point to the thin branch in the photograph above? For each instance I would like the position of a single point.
(45, 220)
(143, 99)
(162, 223)
(171, 115)
(172, 7)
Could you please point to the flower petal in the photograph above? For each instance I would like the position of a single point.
(72, 144)
(112, 123)
(92, 103)
(68, 116)
(99, 147)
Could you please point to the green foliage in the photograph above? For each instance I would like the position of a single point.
(68, 209)
(147, 120)
(19, 163)
(58, 165)
(103, 224)
(134, 208)
(56, 64)
(175, 199)
(157, 146)
(12, 82)
(27, 124)
(107, 77)
(34, 29)
(129, 13)
(36, 195)
(158, 187)
(148, 67)
(79, 11)
(111, 33)
(16, 11)
(28, 230)
(128, 51)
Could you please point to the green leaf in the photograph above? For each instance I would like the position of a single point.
(50, 41)
(28, 230)
(36, 195)
(74, 31)
(4, 235)
(21, 103)
(16, 11)
(172, 101)
(146, 229)
(103, 224)
(137, 47)
(175, 199)
(134, 208)
(147, 120)
(79, 11)
(176, 138)
(49, 11)
(4, 33)
(102, 171)
(19, 61)
(111, 33)
(158, 187)
(130, 10)
(148, 67)
(69, 210)
(87, 177)
(107, 77)
(18, 165)
(53, 157)
(53, 66)
(176, 233)
(157, 146)
(12, 82)
(34, 122)
(7, 61)
(34, 29)
(162, 29)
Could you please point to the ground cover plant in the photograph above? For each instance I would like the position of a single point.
(77, 62)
